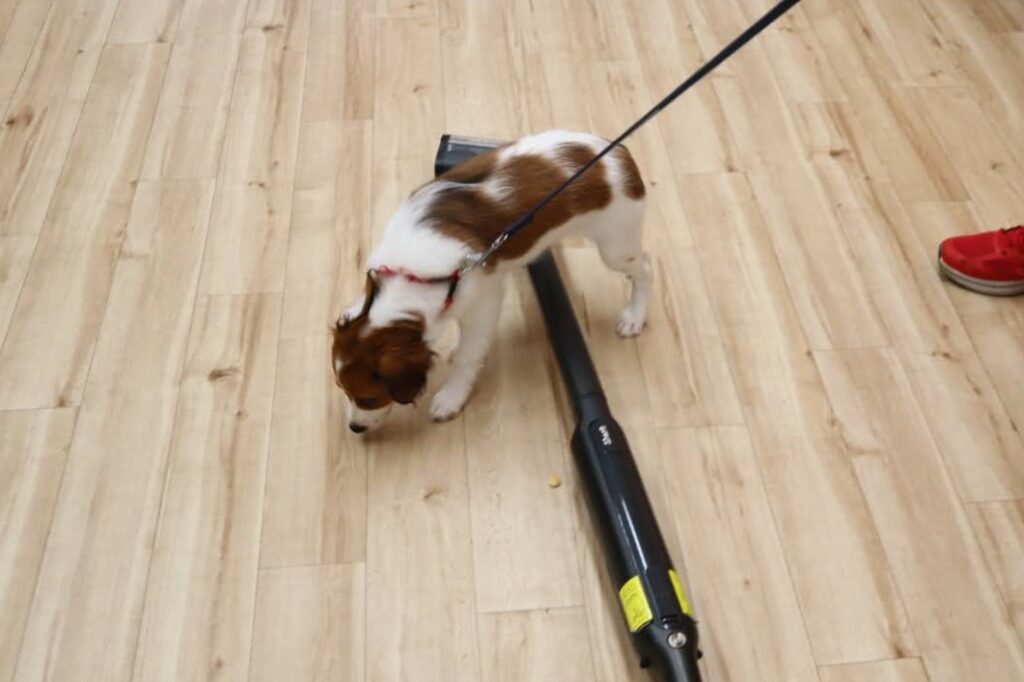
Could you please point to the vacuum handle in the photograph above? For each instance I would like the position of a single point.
(651, 596)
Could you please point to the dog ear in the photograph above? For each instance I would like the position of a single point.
(405, 361)
(370, 289)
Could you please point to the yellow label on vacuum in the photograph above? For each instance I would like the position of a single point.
(634, 604)
(680, 592)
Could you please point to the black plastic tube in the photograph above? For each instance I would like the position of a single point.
(655, 608)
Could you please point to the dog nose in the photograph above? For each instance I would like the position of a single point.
(357, 428)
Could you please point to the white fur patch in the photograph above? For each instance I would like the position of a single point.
(544, 144)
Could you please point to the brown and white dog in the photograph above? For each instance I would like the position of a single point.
(382, 344)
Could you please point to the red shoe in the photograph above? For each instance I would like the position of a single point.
(988, 262)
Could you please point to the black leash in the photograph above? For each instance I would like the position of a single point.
(709, 66)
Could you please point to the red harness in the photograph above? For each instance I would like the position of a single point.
(451, 280)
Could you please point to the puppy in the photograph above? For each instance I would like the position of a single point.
(382, 344)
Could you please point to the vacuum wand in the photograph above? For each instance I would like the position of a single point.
(654, 605)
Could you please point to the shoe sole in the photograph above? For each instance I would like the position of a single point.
(981, 286)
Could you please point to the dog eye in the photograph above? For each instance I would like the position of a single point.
(375, 375)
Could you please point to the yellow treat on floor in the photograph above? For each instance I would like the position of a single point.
(554, 481)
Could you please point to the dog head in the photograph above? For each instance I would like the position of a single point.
(379, 366)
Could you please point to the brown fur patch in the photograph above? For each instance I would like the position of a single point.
(381, 365)
(467, 212)
(633, 182)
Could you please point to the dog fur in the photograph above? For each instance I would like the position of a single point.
(382, 343)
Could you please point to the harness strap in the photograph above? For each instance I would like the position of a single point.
(451, 280)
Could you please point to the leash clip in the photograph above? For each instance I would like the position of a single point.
(475, 260)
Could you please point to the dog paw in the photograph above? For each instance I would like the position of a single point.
(631, 322)
(447, 403)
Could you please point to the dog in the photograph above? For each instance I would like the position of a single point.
(382, 349)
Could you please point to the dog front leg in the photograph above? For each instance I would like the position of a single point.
(476, 335)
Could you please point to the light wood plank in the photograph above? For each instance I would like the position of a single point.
(475, 27)
(816, 260)
(529, 99)
(540, 646)
(249, 229)
(799, 62)
(15, 255)
(7, 11)
(360, 56)
(407, 8)
(902, 145)
(991, 174)
(189, 128)
(973, 430)
(961, 627)
(523, 554)
(247, 249)
(97, 559)
(989, 60)
(615, 659)
(286, 20)
(802, 457)
(996, 330)
(693, 129)
(339, 63)
(156, 273)
(999, 527)
(596, 33)
(44, 109)
(899, 670)
(918, 50)
(146, 21)
(408, 80)
(33, 452)
(555, 106)
(955, 390)
(724, 517)
(54, 327)
(331, 225)
(309, 624)
(1000, 15)
(315, 508)
(197, 618)
(332, 214)
(21, 22)
(419, 583)
(203, 20)
(682, 352)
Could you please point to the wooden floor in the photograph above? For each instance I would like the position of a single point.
(831, 435)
